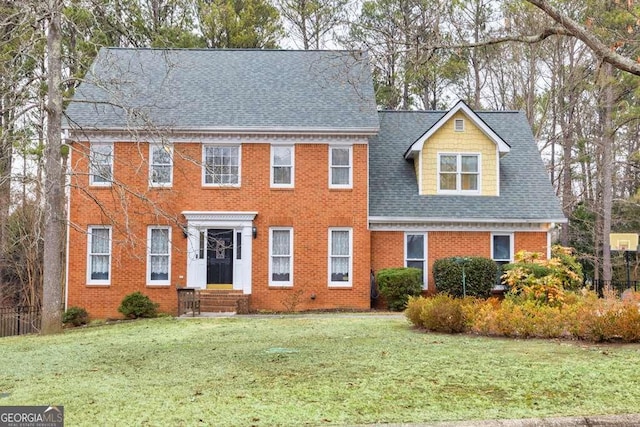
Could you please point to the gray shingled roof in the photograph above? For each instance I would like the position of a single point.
(226, 89)
(526, 193)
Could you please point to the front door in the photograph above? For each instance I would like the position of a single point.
(219, 256)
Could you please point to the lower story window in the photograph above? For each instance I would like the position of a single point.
(281, 256)
(415, 253)
(501, 251)
(99, 256)
(159, 256)
(340, 253)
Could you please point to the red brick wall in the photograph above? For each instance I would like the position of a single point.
(531, 242)
(310, 208)
(388, 246)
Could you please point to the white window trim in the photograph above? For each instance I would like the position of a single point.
(455, 125)
(340, 284)
(158, 282)
(152, 164)
(293, 167)
(91, 174)
(204, 166)
(288, 283)
(91, 281)
(425, 276)
(458, 189)
(350, 184)
(511, 246)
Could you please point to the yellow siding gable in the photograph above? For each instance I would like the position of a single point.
(472, 140)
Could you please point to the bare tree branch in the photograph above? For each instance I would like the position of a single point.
(578, 31)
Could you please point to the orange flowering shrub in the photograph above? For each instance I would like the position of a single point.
(543, 281)
(582, 316)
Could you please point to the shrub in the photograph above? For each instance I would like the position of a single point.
(443, 313)
(75, 316)
(608, 319)
(398, 284)
(138, 305)
(481, 274)
(414, 308)
(544, 281)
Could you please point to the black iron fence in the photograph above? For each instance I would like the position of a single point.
(617, 285)
(19, 320)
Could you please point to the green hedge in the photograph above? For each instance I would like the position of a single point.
(481, 275)
(398, 284)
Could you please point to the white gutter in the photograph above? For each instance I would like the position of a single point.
(406, 220)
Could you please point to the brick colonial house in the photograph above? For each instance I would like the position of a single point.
(270, 175)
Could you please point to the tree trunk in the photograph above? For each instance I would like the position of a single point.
(54, 194)
(607, 170)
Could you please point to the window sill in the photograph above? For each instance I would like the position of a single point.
(340, 286)
(158, 285)
(280, 285)
(98, 285)
(340, 188)
(221, 187)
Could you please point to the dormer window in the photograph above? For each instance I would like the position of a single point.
(459, 173)
(458, 125)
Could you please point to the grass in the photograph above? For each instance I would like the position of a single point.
(296, 370)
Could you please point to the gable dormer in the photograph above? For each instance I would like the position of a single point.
(458, 155)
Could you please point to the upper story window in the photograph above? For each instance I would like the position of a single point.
(282, 166)
(159, 255)
(340, 167)
(101, 163)
(458, 173)
(99, 255)
(221, 165)
(160, 165)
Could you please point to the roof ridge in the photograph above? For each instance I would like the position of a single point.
(445, 111)
(206, 49)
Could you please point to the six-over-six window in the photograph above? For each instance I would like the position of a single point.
(101, 163)
(160, 165)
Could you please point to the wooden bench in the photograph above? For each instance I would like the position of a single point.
(188, 300)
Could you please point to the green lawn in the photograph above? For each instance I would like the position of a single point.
(295, 370)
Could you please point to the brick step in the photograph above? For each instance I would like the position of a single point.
(217, 309)
(218, 301)
(219, 292)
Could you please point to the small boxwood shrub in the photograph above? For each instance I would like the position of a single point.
(75, 316)
(481, 275)
(138, 305)
(398, 284)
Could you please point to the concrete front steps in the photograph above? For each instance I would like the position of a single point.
(223, 301)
